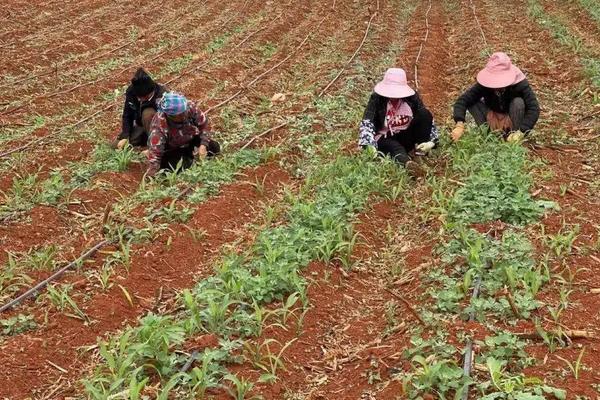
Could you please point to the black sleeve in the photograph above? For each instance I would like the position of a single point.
(532, 108)
(466, 100)
(367, 128)
(371, 109)
(128, 116)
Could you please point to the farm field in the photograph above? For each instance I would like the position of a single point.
(293, 265)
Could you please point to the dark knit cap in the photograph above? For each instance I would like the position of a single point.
(142, 83)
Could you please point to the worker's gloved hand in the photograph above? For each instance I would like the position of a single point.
(425, 147)
(458, 131)
(202, 152)
(516, 136)
(122, 143)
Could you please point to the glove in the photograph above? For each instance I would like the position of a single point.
(516, 136)
(122, 143)
(458, 131)
(202, 152)
(425, 147)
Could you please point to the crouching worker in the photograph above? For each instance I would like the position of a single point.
(141, 99)
(178, 134)
(501, 98)
(397, 122)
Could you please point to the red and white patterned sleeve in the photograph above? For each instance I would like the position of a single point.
(201, 122)
(157, 142)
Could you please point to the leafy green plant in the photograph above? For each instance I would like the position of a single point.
(18, 324)
(11, 278)
(430, 376)
(124, 157)
(515, 387)
(103, 276)
(176, 65)
(497, 187)
(198, 234)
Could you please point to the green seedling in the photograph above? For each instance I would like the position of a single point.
(289, 308)
(562, 242)
(59, 296)
(43, 259)
(508, 387)
(198, 234)
(104, 276)
(241, 387)
(262, 357)
(124, 157)
(136, 387)
(577, 365)
(170, 385)
(555, 312)
(259, 185)
(564, 297)
(202, 378)
(433, 377)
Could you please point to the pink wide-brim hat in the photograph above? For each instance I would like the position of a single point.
(499, 72)
(394, 85)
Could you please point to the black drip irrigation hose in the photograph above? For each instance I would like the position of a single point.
(34, 290)
(467, 365)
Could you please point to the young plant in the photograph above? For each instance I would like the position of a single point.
(59, 296)
(260, 356)
(241, 387)
(577, 365)
(562, 242)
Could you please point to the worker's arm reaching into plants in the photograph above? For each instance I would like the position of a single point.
(502, 99)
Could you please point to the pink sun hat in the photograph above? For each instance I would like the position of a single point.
(394, 85)
(499, 72)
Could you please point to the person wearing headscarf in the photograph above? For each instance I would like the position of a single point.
(396, 121)
(501, 98)
(178, 134)
(141, 103)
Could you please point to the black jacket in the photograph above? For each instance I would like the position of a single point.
(501, 103)
(132, 109)
(377, 107)
(374, 119)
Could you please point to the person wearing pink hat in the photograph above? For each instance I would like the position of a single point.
(501, 98)
(397, 122)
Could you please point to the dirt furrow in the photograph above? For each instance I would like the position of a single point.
(125, 183)
(577, 20)
(77, 150)
(137, 284)
(26, 370)
(56, 93)
(75, 31)
(349, 338)
(571, 169)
